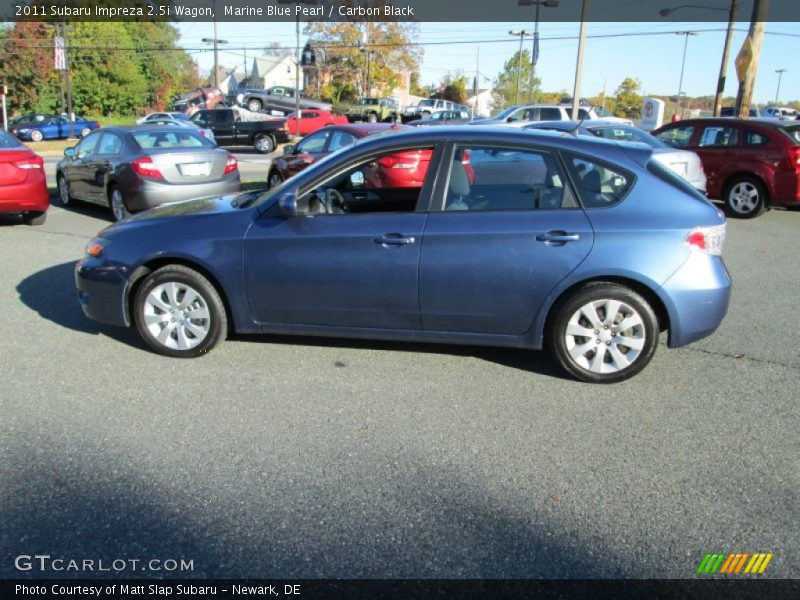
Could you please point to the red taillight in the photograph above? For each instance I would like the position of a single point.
(202, 132)
(231, 165)
(144, 166)
(794, 158)
(707, 239)
(401, 160)
(32, 162)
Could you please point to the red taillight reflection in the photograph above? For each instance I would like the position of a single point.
(145, 167)
(231, 165)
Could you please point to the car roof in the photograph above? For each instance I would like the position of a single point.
(771, 123)
(364, 129)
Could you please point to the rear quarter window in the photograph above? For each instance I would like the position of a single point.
(599, 184)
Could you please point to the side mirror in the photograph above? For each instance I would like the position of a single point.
(512, 119)
(356, 179)
(288, 204)
(69, 152)
(288, 149)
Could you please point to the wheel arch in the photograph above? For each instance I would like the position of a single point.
(143, 270)
(646, 291)
(752, 174)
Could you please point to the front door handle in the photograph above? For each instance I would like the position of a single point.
(558, 237)
(394, 239)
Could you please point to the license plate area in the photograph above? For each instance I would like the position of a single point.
(199, 169)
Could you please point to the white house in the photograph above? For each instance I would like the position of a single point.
(274, 70)
(482, 103)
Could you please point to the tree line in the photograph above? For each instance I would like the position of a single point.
(116, 68)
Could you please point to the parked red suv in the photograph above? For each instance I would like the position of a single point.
(750, 164)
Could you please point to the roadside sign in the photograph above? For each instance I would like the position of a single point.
(744, 58)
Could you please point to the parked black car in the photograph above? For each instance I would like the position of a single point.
(134, 168)
(229, 130)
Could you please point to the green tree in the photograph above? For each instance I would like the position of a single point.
(453, 87)
(392, 54)
(627, 100)
(517, 69)
(27, 69)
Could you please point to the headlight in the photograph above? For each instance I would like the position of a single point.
(24, 130)
(95, 247)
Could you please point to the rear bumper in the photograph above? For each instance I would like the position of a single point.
(787, 188)
(101, 291)
(30, 196)
(697, 297)
(146, 193)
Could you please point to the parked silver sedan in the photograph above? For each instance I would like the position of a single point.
(683, 162)
(134, 168)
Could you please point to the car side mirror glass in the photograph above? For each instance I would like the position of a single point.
(69, 152)
(288, 149)
(357, 179)
(288, 205)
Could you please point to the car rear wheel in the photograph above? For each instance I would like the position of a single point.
(179, 313)
(604, 333)
(36, 135)
(264, 144)
(85, 131)
(117, 204)
(372, 118)
(254, 105)
(274, 179)
(63, 191)
(745, 197)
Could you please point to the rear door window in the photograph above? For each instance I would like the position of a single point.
(677, 137)
(717, 136)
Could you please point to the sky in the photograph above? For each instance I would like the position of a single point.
(653, 56)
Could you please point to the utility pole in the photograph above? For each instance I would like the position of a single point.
(683, 65)
(576, 93)
(61, 29)
(756, 36)
(726, 51)
(216, 41)
(521, 35)
(780, 73)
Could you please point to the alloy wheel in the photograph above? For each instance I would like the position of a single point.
(176, 315)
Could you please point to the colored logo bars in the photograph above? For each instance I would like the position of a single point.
(734, 564)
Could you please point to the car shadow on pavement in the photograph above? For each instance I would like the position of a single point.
(539, 362)
(51, 293)
(81, 497)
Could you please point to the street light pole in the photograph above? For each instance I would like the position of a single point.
(576, 92)
(521, 35)
(780, 73)
(683, 65)
(726, 50)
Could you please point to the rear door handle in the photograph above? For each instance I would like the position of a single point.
(558, 236)
(394, 239)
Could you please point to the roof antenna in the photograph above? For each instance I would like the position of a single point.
(583, 118)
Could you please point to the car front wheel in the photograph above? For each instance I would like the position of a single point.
(604, 333)
(254, 105)
(274, 179)
(179, 313)
(745, 197)
(63, 191)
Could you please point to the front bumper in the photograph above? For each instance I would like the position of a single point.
(102, 290)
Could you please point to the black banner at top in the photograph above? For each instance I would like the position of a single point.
(389, 10)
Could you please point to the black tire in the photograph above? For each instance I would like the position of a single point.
(34, 218)
(745, 197)
(263, 143)
(254, 105)
(601, 356)
(274, 179)
(63, 191)
(175, 327)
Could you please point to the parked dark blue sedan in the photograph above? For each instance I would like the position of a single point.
(511, 238)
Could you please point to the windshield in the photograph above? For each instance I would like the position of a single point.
(171, 139)
(794, 132)
(505, 114)
(427, 103)
(628, 134)
(365, 101)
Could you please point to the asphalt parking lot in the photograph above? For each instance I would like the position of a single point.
(298, 457)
